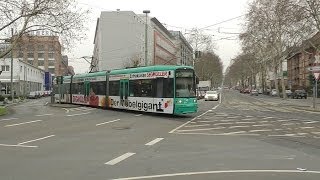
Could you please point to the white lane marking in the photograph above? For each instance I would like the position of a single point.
(315, 132)
(222, 123)
(36, 139)
(16, 145)
(245, 122)
(259, 125)
(216, 106)
(120, 158)
(285, 135)
(288, 124)
(268, 118)
(205, 129)
(311, 122)
(278, 129)
(188, 122)
(233, 117)
(8, 119)
(231, 133)
(78, 114)
(249, 116)
(46, 103)
(283, 120)
(199, 125)
(153, 142)
(306, 127)
(28, 122)
(137, 115)
(209, 134)
(66, 110)
(205, 121)
(108, 122)
(247, 119)
(232, 127)
(226, 120)
(261, 130)
(302, 133)
(44, 115)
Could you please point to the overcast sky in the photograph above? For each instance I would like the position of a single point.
(176, 15)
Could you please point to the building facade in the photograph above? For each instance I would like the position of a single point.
(26, 77)
(184, 50)
(300, 60)
(41, 51)
(120, 42)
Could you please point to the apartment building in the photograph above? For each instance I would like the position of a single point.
(120, 42)
(298, 62)
(43, 51)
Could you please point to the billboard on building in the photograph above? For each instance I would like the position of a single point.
(47, 81)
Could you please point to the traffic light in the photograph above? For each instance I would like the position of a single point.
(59, 80)
(312, 80)
(197, 54)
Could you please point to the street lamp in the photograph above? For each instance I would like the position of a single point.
(146, 38)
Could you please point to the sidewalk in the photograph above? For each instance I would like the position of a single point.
(304, 104)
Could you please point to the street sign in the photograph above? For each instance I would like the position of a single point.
(314, 68)
(316, 75)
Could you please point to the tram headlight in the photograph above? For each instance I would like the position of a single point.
(194, 100)
(179, 101)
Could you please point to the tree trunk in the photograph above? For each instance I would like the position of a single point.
(276, 79)
(282, 83)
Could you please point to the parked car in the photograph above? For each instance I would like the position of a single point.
(254, 92)
(274, 92)
(32, 95)
(211, 95)
(260, 91)
(299, 94)
(246, 91)
(288, 93)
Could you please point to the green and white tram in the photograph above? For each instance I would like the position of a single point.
(158, 89)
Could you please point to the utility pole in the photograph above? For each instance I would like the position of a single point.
(11, 78)
(146, 38)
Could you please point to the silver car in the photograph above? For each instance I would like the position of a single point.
(211, 96)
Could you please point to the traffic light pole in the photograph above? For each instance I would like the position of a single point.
(316, 94)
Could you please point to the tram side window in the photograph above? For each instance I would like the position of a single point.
(168, 88)
(99, 88)
(142, 88)
(78, 88)
(114, 87)
(164, 88)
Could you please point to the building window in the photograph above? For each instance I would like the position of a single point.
(51, 70)
(51, 55)
(20, 68)
(30, 48)
(51, 48)
(40, 47)
(40, 62)
(30, 62)
(51, 62)
(5, 68)
(40, 55)
(20, 54)
(30, 55)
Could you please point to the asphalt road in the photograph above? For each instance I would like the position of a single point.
(244, 138)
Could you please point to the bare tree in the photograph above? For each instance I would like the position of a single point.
(278, 24)
(60, 17)
(200, 41)
(209, 67)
